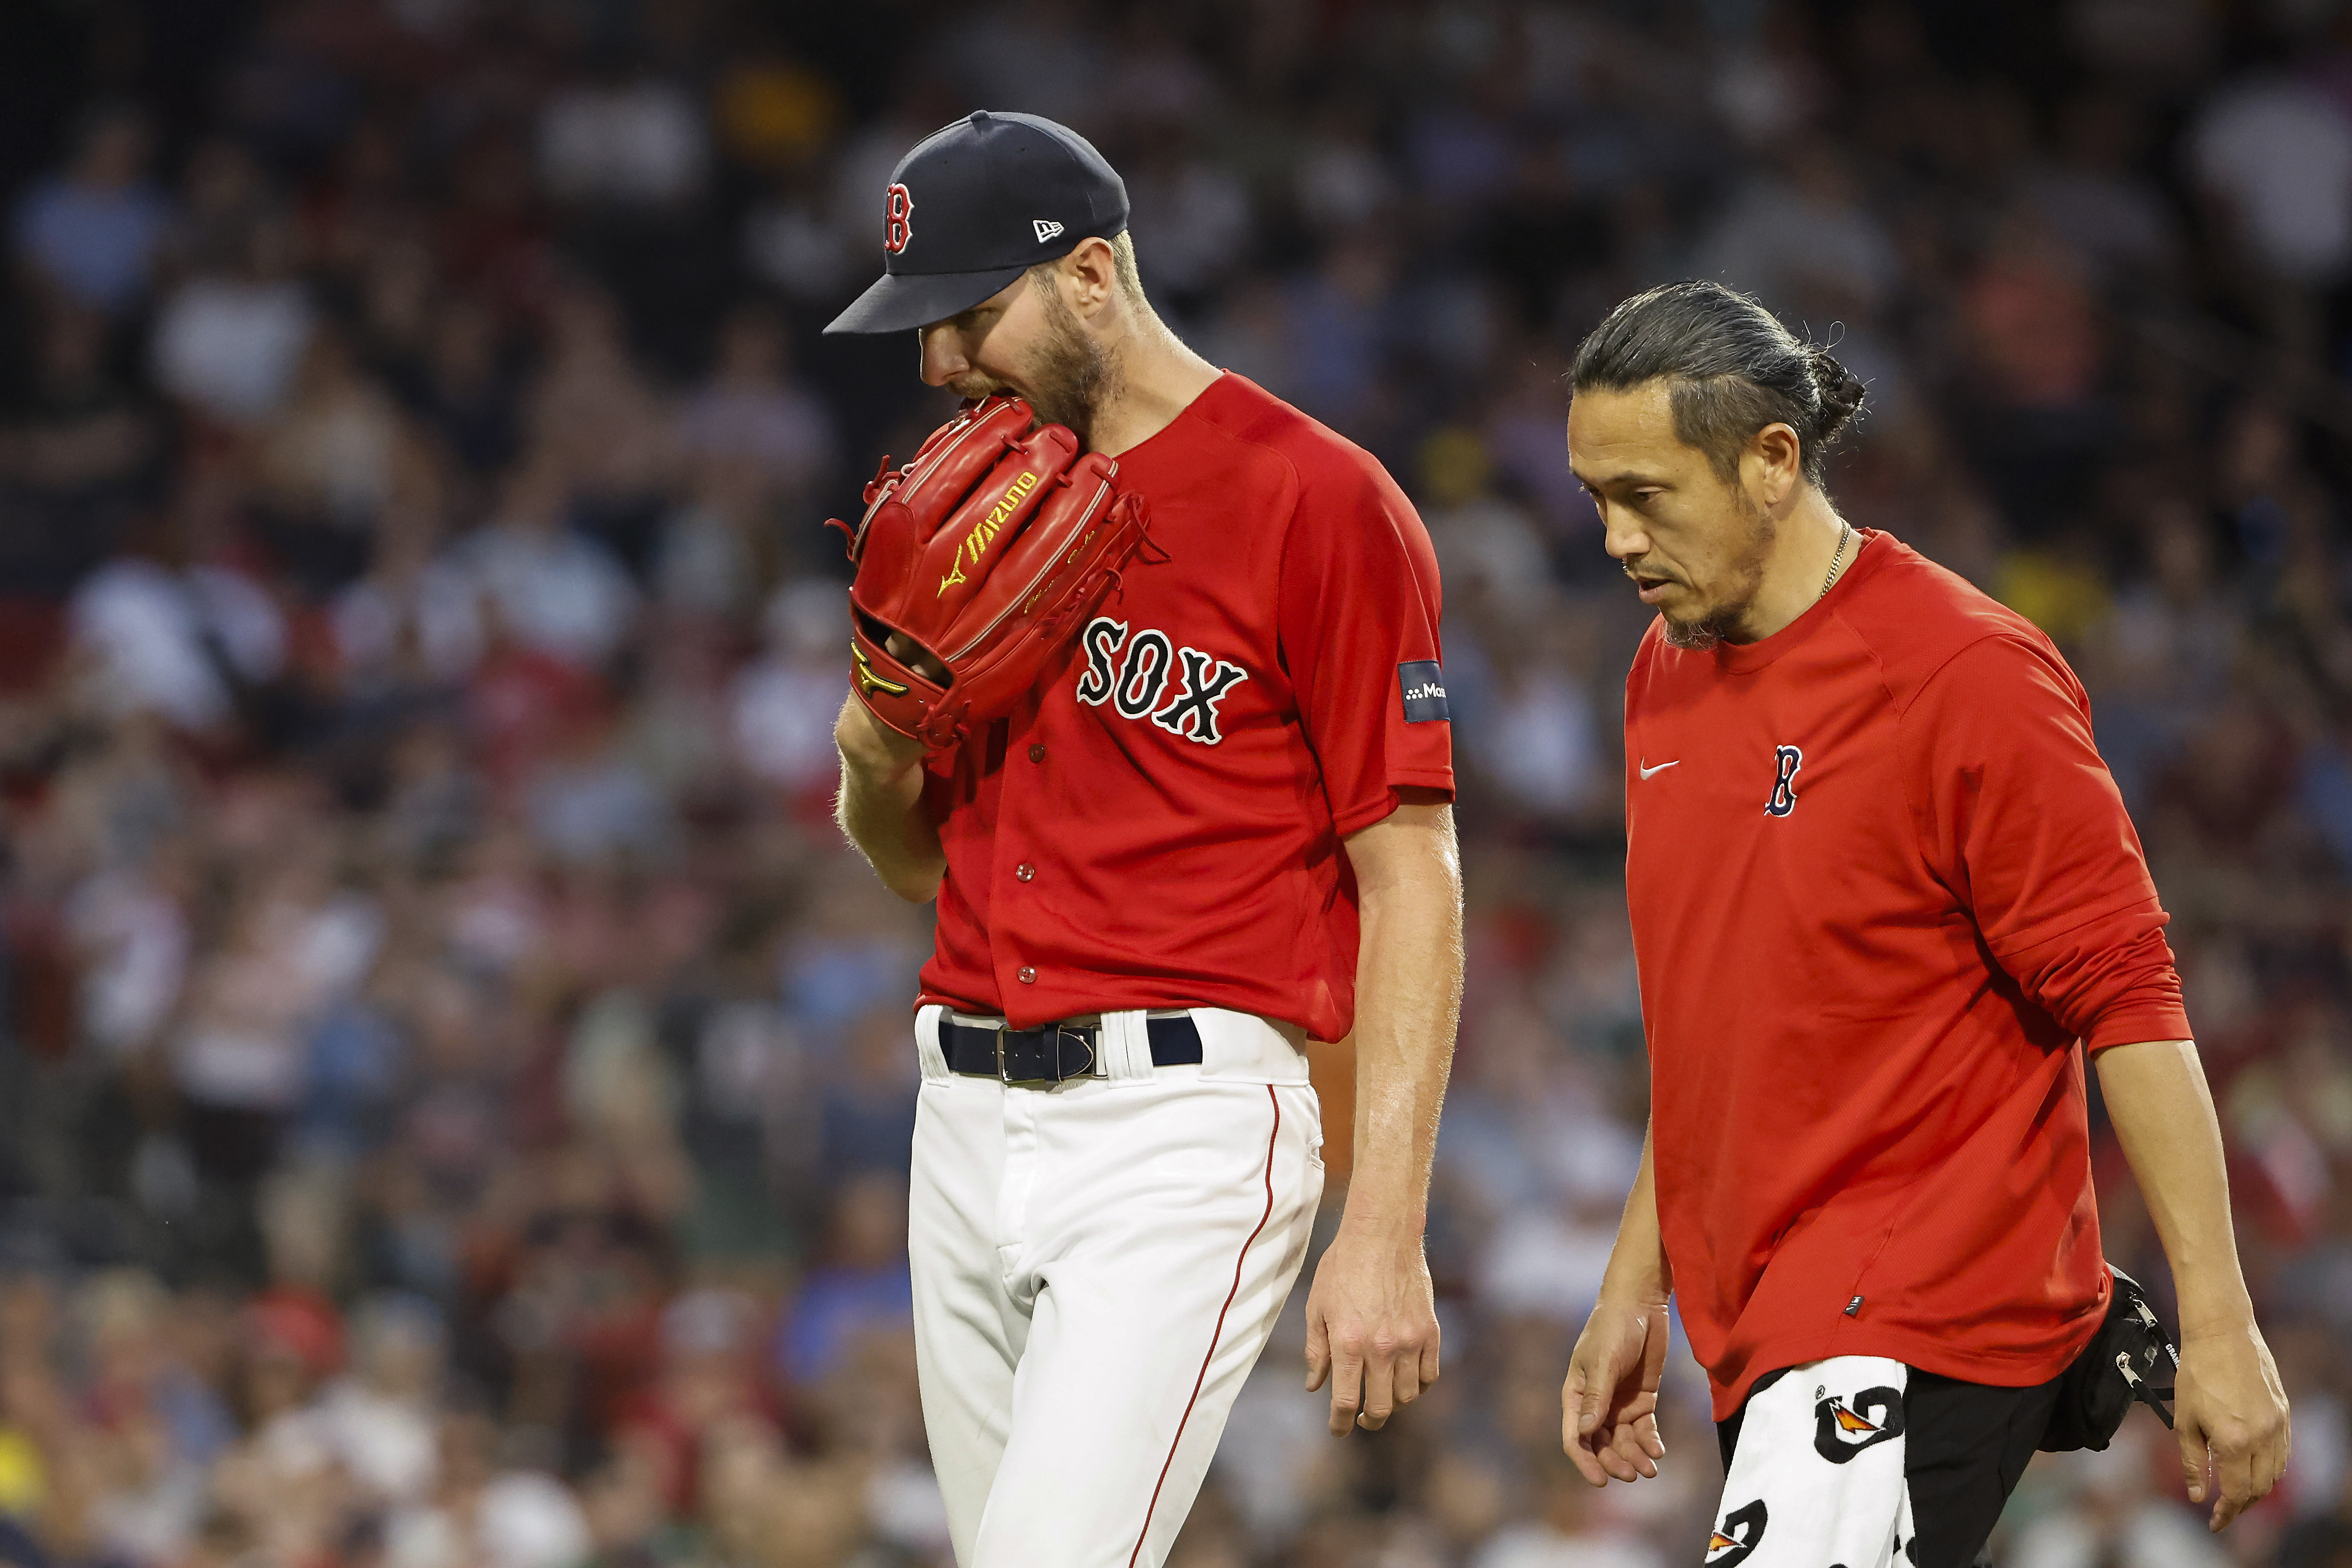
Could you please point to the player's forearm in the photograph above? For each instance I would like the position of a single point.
(1637, 1268)
(1407, 1001)
(881, 804)
(2163, 1115)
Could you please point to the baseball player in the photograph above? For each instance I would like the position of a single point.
(1146, 695)
(1882, 886)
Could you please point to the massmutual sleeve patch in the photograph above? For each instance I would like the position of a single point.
(1423, 685)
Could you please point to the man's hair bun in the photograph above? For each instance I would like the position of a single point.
(1841, 389)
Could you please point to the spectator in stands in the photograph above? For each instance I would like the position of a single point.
(93, 233)
(228, 343)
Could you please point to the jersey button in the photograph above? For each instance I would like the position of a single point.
(1024, 871)
(1036, 752)
(1028, 976)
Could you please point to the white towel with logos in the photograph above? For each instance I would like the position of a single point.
(1816, 1480)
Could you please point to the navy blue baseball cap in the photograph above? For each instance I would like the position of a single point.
(976, 204)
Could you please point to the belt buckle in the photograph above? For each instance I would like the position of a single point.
(1093, 1068)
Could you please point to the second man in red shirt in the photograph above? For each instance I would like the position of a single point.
(1881, 885)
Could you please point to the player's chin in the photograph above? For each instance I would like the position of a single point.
(1689, 625)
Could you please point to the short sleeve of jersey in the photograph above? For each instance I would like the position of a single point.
(1359, 615)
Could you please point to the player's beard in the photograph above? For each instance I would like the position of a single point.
(1069, 375)
(1725, 617)
(1072, 374)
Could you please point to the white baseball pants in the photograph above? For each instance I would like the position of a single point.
(1097, 1267)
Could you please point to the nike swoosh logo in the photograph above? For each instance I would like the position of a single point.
(1661, 768)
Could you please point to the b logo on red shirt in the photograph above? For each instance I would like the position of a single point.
(899, 226)
(1133, 675)
(1788, 759)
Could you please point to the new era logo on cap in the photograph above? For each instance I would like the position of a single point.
(1046, 228)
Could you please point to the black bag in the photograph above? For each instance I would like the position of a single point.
(2130, 1358)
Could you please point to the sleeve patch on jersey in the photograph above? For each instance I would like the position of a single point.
(1425, 690)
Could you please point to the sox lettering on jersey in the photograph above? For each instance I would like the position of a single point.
(1134, 674)
(1193, 714)
(1144, 676)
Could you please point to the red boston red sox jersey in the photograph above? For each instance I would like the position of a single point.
(1160, 825)
(1881, 885)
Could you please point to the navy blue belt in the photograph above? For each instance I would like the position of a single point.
(1057, 1051)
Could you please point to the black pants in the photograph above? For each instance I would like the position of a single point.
(1964, 1446)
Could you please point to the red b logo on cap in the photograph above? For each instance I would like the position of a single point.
(900, 227)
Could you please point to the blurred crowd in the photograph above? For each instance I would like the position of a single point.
(454, 1086)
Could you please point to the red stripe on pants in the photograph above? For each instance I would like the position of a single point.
(1145, 1532)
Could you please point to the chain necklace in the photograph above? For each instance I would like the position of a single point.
(1837, 562)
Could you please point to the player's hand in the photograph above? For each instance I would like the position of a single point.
(1609, 1405)
(910, 652)
(2228, 1405)
(1371, 1327)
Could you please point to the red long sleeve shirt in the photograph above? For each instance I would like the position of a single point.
(1881, 885)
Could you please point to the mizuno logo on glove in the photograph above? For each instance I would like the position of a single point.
(868, 683)
(984, 532)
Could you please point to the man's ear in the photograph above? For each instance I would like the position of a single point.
(1775, 463)
(1089, 277)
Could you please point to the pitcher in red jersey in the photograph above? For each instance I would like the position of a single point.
(1225, 831)
(1882, 888)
